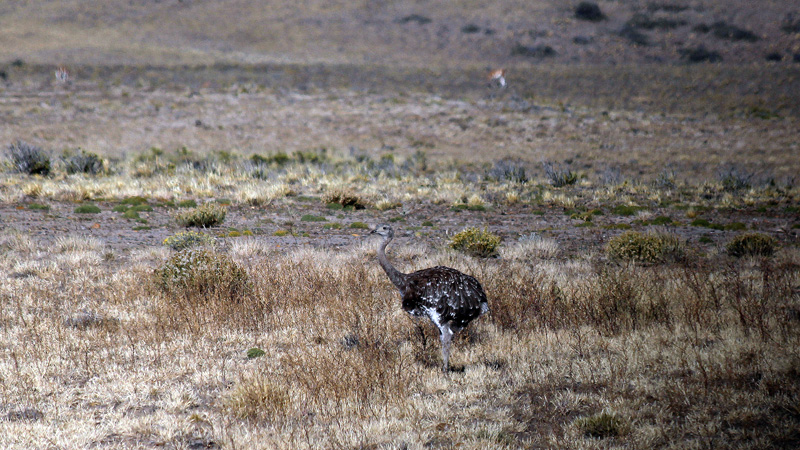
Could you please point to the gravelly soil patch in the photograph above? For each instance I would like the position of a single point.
(511, 222)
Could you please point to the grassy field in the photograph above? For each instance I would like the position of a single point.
(590, 343)
(184, 247)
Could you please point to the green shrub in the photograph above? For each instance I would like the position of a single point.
(87, 209)
(626, 210)
(602, 425)
(255, 352)
(751, 244)
(312, 218)
(29, 159)
(187, 204)
(645, 248)
(186, 239)
(131, 215)
(474, 242)
(202, 275)
(135, 200)
(360, 225)
(661, 220)
(38, 206)
(206, 215)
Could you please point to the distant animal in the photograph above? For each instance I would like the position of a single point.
(449, 298)
(497, 78)
(62, 74)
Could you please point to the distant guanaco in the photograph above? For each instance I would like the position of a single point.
(498, 77)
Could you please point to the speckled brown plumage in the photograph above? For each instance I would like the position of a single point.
(449, 298)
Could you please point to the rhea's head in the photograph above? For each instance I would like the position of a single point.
(383, 230)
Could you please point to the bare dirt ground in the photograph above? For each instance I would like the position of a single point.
(228, 110)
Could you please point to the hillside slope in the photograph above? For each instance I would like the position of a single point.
(408, 33)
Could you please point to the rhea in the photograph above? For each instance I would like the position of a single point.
(449, 298)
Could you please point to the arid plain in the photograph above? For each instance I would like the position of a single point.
(645, 292)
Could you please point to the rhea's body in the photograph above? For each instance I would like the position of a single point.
(449, 298)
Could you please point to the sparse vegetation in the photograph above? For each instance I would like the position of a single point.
(197, 276)
(186, 239)
(510, 170)
(344, 197)
(535, 51)
(589, 11)
(28, 159)
(751, 244)
(559, 176)
(87, 208)
(646, 248)
(294, 338)
(204, 216)
(699, 54)
(82, 161)
(476, 242)
(312, 218)
(255, 352)
(602, 425)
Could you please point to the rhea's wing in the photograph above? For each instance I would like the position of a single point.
(456, 297)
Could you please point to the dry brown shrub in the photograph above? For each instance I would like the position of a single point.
(344, 196)
(201, 285)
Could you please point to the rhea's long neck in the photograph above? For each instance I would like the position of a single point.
(397, 278)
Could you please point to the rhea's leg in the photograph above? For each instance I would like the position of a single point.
(446, 335)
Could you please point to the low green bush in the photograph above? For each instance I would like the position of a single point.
(602, 425)
(201, 275)
(206, 215)
(87, 209)
(751, 244)
(646, 248)
(474, 242)
(187, 239)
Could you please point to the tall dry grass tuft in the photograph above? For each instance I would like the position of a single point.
(346, 352)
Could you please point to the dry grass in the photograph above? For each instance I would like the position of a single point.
(578, 352)
(695, 355)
